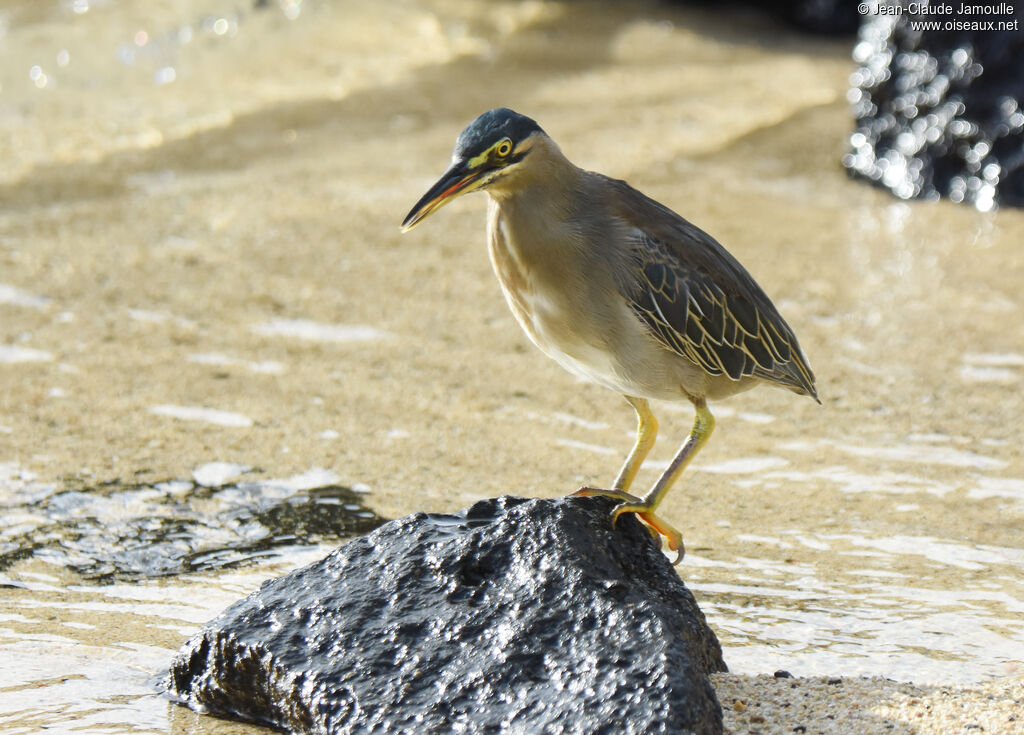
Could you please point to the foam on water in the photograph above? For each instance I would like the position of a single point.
(743, 465)
(207, 415)
(317, 332)
(913, 453)
(595, 448)
(14, 353)
(870, 621)
(997, 487)
(995, 359)
(215, 474)
(270, 367)
(17, 297)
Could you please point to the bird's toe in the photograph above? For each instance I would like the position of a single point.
(658, 526)
(590, 492)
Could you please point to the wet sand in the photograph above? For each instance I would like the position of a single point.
(200, 261)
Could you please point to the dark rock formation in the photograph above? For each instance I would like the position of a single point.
(826, 17)
(830, 17)
(514, 616)
(940, 113)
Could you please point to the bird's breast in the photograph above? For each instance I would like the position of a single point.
(554, 296)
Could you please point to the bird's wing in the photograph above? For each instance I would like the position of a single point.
(702, 304)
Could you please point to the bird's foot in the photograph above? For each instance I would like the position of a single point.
(589, 492)
(658, 526)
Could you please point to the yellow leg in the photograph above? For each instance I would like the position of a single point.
(646, 433)
(703, 425)
(645, 507)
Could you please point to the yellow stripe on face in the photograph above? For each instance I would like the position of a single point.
(484, 157)
(478, 161)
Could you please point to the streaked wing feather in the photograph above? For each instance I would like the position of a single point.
(702, 304)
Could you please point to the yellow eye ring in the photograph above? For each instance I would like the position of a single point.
(503, 148)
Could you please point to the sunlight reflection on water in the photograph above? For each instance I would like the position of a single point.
(860, 624)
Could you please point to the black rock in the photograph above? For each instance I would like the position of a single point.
(513, 616)
(940, 113)
(825, 17)
(828, 17)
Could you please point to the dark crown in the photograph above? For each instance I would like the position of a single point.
(493, 125)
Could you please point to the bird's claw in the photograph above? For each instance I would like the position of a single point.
(589, 492)
(658, 527)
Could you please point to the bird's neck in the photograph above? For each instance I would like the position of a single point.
(548, 181)
(534, 230)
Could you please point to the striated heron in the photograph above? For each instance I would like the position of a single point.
(618, 289)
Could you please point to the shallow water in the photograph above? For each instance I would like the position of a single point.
(202, 285)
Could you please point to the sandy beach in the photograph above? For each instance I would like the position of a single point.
(200, 262)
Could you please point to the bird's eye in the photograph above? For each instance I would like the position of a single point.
(504, 148)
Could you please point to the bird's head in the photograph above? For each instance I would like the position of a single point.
(490, 148)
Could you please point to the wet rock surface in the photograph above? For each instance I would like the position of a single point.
(818, 16)
(518, 616)
(826, 17)
(939, 113)
(117, 531)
